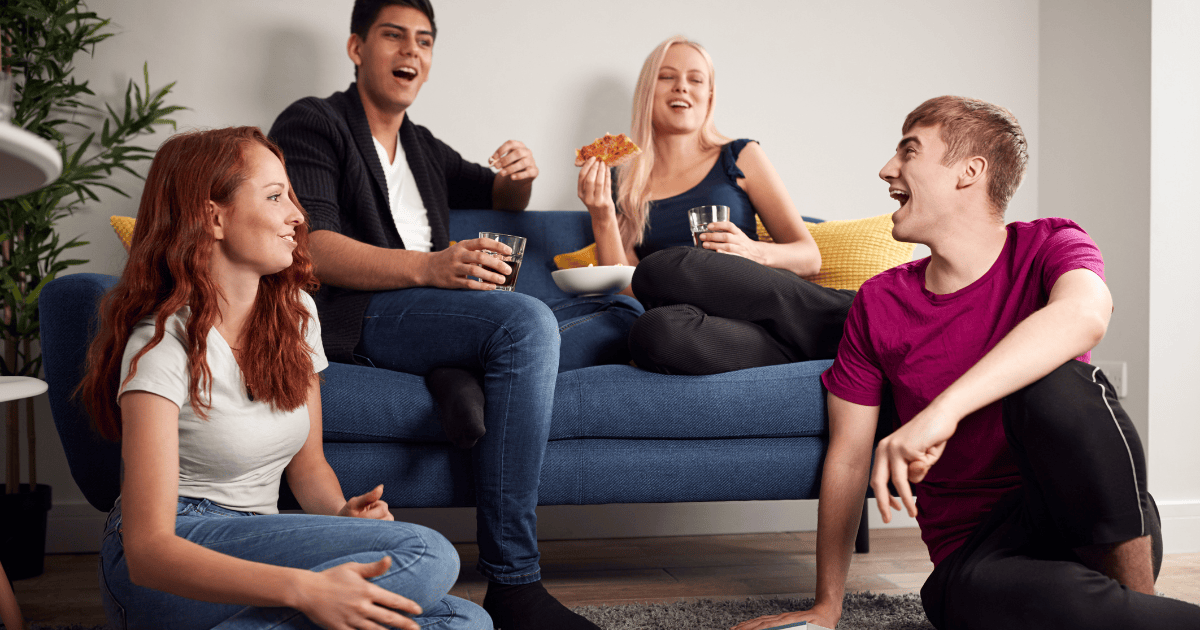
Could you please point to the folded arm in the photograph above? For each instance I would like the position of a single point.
(516, 170)
(793, 248)
(596, 193)
(1073, 321)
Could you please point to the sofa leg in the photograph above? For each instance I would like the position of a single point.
(862, 542)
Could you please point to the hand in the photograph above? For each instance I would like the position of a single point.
(724, 236)
(368, 505)
(826, 616)
(341, 598)
(595, 188)
(514, 160)
(906, 456)
(450, 268)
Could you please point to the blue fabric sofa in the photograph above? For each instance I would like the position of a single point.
(619, 434)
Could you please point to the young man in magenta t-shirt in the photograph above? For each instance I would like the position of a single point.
(1026, 476)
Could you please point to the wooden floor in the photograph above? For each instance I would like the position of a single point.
(629, 570)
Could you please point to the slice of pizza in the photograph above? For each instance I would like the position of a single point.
(612, 150)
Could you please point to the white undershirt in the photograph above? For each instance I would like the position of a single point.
(408, 211)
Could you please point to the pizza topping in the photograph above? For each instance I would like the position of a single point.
(612, 150)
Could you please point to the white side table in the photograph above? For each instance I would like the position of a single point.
(18, 387)
(27, 162)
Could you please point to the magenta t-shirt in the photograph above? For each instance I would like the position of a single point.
(899, 333)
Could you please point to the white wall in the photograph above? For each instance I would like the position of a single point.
(1174, 338)
(1119, 89)
(823, 85)
(1094, 109)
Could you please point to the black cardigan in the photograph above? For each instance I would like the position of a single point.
(335, 171)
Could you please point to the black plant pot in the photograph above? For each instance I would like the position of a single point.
(23, 530)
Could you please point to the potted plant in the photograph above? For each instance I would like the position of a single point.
(40, 41)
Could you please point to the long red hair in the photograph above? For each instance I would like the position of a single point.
(169, 268)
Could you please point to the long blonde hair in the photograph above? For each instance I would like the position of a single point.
(633, 191)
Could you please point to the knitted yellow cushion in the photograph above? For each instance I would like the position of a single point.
(581, 258)
(124, 229)
(853, 251)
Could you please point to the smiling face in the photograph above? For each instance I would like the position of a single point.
(256, 231)
(923, 185)
(682, 92)
(394, 60)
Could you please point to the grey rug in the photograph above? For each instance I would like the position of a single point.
(861, 611)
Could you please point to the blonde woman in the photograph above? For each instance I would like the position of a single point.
(707, 312)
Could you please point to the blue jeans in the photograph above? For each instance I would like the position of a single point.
(424, 567)
(512, 339)
(594, 330)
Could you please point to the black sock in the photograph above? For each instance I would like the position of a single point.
(459, 398)
(530, 607)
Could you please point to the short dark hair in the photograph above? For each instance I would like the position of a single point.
(366, 11)
(973, 127)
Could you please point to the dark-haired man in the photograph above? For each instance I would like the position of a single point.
(1026, 476)
(378, 189)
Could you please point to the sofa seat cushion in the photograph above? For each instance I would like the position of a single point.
(603, 402)
(619, 401)
(590, 472)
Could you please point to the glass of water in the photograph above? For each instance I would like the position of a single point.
(517, 243)
(700, 217)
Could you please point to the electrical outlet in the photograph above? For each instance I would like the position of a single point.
(1116, 373)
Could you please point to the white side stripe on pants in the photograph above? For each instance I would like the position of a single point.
(1132, 467)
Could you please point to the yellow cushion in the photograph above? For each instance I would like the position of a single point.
(581, 258)
(853, 251)
(124, 229)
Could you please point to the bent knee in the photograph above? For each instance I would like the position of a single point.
(524, 315)
(1071, 376)
(658, 337)
(661, 266)
(437, 556)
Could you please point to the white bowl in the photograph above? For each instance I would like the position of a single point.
(593, 280)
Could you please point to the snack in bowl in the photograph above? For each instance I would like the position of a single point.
(612, 150)
(593, 280)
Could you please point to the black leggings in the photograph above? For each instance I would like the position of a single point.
(1083, 483)
(708, 312)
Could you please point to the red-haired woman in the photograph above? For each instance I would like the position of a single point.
(205, 367)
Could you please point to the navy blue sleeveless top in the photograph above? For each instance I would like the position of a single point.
(667, 224)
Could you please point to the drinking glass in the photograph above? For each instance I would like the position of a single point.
(701, 216)
(517, 243)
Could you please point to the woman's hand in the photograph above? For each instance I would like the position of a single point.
(726, 237)
(342, 598)
(368, 505)
(818, 614)
(595, 189)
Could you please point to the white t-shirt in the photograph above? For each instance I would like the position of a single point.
(236, 456)
(408, 210)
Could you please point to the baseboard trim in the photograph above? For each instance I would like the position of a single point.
(76, 527)
(1180, 526)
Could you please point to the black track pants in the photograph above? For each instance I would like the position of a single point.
(1084, 483)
